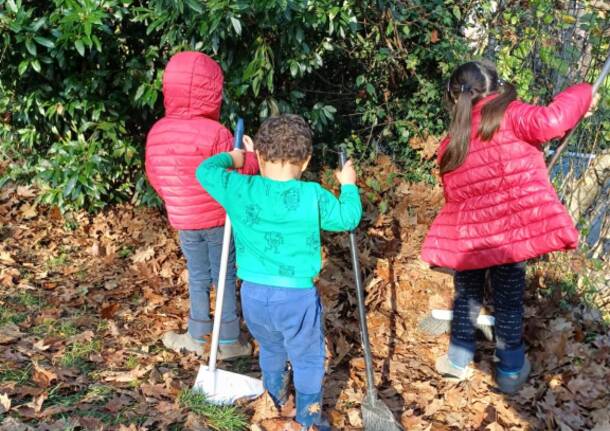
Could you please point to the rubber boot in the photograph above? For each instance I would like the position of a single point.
(276, 383)
(309, 412)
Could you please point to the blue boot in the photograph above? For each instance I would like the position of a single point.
(276, 383)
(309, 412)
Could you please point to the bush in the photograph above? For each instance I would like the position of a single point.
(81, 79)
(80, 82)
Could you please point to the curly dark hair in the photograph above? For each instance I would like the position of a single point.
(284, 138)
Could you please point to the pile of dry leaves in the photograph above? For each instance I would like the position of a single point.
(84, 301)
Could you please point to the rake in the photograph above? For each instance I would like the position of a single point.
(376, 416)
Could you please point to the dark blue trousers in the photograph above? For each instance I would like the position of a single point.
(508, 285)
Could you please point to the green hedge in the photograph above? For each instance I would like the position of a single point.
(80, 82)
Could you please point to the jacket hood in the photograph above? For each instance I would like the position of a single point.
(192, 86)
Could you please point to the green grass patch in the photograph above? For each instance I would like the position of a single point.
(57, 261)
(101, 392)
(125, 252)
(19, 375)
(76, 353)
(63, 398)
(218, 418)
(9, 316)
(52, 327)
(132, 362)
(28, 299)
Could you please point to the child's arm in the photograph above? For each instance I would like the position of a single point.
(540, 124)
(343, 213)
(217, 180)
(226, 143)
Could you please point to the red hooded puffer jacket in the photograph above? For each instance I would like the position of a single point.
(500, 206)
(188, 134)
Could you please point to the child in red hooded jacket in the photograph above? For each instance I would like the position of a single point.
(176, 145)
(500, 209)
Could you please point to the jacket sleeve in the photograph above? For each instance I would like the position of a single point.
(540, 124)
(225, 144)
(215, 177)
(340, 214)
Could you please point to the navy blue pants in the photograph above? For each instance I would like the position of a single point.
(202, 249)
(287, 324)
(508, 285)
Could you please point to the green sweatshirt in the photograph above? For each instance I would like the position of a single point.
(276, 224)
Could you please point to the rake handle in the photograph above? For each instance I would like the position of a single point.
(224, 261)
(364, 332)
(564, 142)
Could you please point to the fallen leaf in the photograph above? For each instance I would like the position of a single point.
(115, 404)
(280, 424)
(42, 377)
(143, 254)
(109, 311)
(28, 211)
(126, 376)
(5, 403)
(264, 408)
(9, 333)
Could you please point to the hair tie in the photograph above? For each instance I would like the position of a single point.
(465, 88)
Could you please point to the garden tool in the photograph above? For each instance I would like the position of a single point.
(220, 386)
(564, 142)
(376, 416)
(438, 321)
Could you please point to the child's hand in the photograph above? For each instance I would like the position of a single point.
(238, 157)
(593, 106)
(248, 144)
(347, 175)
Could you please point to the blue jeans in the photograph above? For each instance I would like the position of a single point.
(508, 285)
(287, 324)
(202, 249)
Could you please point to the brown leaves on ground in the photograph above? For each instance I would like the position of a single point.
(84, 302)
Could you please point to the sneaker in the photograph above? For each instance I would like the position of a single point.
(182, 342)
(452, 372)
(231, 351)
(511, 382)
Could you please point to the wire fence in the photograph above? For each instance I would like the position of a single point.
(545, 47)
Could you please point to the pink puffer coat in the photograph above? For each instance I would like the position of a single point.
(500, 206)
(188, 134)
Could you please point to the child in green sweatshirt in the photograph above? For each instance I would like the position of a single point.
(277, 219)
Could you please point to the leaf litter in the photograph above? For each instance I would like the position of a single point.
(84, 303)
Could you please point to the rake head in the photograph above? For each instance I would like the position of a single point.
(376, 416)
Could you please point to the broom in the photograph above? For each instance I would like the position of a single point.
(376, 416)
(220, 386)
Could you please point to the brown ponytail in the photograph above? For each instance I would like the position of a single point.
(456, 151)
(493, 111)
(468, 84)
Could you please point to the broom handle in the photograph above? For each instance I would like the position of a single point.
(364, 332)
(564, 142)
(222, 276)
